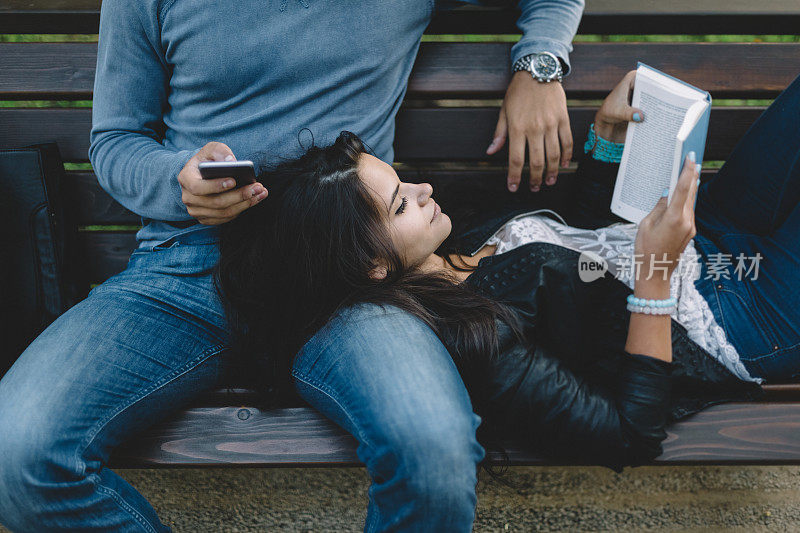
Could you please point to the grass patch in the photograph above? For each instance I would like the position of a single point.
(109, 228)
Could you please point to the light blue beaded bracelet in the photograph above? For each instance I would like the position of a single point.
(652, 307)
(602, 149)
(668, 302)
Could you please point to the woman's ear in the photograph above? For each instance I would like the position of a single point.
(379, 271)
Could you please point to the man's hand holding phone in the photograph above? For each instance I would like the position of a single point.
(215, 201)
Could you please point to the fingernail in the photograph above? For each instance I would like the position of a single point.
(255, 190)
(262, 195)
(551, 180)
(692, 156)
(227, 184)
(535, 188)
(698, 167)
(637, 117)
(229, 158)
(665, 193)
(512, 187)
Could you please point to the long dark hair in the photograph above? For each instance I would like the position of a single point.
(290, 262)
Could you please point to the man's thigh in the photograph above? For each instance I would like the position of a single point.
(138, 347)
(385, 377)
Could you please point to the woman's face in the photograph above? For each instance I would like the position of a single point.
(415, 221)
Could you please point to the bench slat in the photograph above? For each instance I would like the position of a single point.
(752, 433)
(93, 206)
(600, 16)
(107, 252)
(226, 397)
(423, 134)
(50, 71)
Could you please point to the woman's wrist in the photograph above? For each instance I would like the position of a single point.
(652, 289)
(601, 148)
(605, 131)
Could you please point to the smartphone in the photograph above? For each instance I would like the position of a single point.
(242, 171)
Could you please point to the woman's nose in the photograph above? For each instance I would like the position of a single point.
(426, 190)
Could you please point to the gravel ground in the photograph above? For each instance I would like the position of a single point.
(732, 498)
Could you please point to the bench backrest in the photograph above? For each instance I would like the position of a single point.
(453, 97)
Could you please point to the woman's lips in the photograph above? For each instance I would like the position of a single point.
(436, 211)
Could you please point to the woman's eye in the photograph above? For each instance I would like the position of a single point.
(403, 202)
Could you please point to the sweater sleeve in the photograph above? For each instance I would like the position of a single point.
(547, 26)
(130, 94)
(568, 417)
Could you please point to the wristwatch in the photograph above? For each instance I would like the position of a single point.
(544, 66)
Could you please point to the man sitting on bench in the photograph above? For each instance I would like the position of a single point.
(182, 82)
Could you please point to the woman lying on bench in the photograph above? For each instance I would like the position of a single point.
(583, 370)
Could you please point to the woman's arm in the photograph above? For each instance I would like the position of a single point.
(590, 205)
(565, 414)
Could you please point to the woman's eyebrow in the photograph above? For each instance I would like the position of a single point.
(391, 202)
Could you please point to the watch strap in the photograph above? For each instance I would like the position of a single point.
(525, 62)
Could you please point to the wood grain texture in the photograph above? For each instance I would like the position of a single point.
(422, 134)
(463, 70)
(752, 433)
(600, 16)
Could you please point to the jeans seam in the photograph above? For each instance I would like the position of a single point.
(339, 335)
(774, 353)
(323, 389)
(330, 394)
(122, 503)
(90, 436)
(756, 318)
(206, 354)
(761, 316)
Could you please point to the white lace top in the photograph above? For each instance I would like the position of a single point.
(615, 243)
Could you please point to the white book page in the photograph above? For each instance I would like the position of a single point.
(647, 161)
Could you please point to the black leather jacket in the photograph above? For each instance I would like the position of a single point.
(574, 393)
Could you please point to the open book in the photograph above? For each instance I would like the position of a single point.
(675, 123)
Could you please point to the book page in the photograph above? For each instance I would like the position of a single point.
(647, 162)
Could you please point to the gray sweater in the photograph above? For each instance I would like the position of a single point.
(173, 75)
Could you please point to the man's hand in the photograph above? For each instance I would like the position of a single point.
(533, 114)
(210, 201)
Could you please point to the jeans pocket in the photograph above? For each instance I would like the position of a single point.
(166, 245)
(743, 321)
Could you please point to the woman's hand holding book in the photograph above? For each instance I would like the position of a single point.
(611, 120)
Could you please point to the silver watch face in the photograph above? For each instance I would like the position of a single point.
(545, 65)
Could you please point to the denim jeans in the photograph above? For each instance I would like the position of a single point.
(751, 207)
(151, 338)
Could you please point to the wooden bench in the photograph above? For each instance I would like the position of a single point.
(443, 129)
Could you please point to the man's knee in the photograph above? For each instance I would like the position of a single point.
(430, 466)
(441, 466)
(28, 468)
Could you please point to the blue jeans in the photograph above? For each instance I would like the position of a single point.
(151, 338)
(751, 207)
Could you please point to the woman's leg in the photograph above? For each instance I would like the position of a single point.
(141, 345)
(747, 215)
(385, 377)
(759, 184)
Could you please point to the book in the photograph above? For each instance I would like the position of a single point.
(675, 123)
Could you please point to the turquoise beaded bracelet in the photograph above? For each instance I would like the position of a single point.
(651, 307)
(602, 149)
